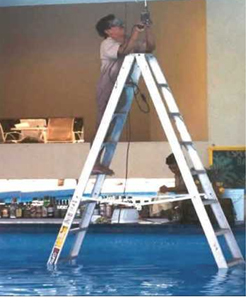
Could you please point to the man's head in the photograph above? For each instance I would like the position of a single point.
(172, 164)
(110, 26)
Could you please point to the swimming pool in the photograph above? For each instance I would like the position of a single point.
(118, 260)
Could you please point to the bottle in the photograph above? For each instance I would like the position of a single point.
(28, 209)
(19, 210)
(63, 208)
(50, 209)
(13, 206)
(45, 201)
(96, 211)
(56, 208)
(1, 208)
(108, 210)
(24, 210)
(102, 209)
(44, 208)
(39, 210)
(59, 207)
(5, 211)
(33, 207)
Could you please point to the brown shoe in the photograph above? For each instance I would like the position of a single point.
(100, 169)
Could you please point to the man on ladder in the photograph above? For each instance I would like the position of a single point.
(113, 49)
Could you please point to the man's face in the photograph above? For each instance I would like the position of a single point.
(116, 32)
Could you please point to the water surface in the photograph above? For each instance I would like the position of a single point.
(118, 260)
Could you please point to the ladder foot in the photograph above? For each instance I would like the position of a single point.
(68, 259)
(235, 261)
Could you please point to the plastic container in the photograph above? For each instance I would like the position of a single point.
(125, 215)
(238, 198)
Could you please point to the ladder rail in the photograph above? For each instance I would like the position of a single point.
(117, 130)
(108, 155)
(84, 223)
(91, 159)
(176, 148)
(221, 218)
(162, 82)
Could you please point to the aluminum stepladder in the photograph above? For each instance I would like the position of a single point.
(107, 137)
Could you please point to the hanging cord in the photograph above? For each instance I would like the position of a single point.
(125, 17)
(136, 90)
(128, 138)
(145, 110)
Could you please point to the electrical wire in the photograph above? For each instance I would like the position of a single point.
(128, 138)
(144, 99)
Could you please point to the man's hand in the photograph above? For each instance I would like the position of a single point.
(163, 189)
(139, 27)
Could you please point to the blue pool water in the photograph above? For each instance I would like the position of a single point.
(116, 260)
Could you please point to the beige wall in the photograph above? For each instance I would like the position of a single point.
(181, 52)
(38, 161)
(226, 59)
(49, 58)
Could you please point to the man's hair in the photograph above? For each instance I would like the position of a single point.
(171, 159)
(103, 24)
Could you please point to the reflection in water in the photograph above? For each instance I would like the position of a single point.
(88, 281)
(120, 280)
(216, 285)
(226, 281)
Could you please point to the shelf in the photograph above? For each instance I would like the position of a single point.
(20, 221)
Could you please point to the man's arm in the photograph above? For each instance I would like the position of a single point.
(128, 46)
(150, 41)
(165, 189)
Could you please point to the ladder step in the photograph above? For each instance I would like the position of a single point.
(222, 231)
(209, 201)
(163, 85)
(77, 229)
(185, 143)
(172, 115)
(198, 171)
(235, 261)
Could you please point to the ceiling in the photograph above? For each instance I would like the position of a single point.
(6, 3)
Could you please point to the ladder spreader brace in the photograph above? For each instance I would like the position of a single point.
(106, 140)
